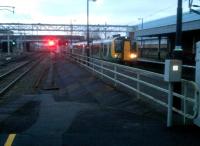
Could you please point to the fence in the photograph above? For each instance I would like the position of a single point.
(145, 84)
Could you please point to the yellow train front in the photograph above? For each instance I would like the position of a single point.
(119, 49)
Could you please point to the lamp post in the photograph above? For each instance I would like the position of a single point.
(8, 8)
(141, 43)
(178, 47)
(88, 33)
(71, 23)
(178, 53)
(105, 30)
(8, 40)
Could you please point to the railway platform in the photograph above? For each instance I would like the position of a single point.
(85, 111)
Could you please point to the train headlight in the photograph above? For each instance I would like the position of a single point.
(133, 56)
(115, 55)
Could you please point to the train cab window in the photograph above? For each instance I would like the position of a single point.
(134, 46)
(118, 46)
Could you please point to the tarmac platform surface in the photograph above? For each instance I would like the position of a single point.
(86, 111)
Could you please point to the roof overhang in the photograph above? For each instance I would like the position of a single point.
(168, 29)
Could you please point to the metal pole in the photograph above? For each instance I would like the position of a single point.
(21, 44)
(178, 52)
(87, 48)
(170, 105)
(71, 31)
(138, 85)
(88, 23)
(142, 37)
(141, 43)
(105, 30)
(115, 75)
(159, 46)
(178, 29)
(8, 40)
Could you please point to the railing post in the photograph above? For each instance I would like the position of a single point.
(77, 57)
(87, 61)
(115, 74)
(84, 59)
(92, 64)
(184, 103)
(170, 105)
(138, 85)
(197, 119)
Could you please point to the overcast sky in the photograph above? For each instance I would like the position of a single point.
(101, 12)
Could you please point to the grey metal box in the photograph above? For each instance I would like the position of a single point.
(173, 70)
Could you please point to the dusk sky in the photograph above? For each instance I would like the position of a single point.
(124, 12)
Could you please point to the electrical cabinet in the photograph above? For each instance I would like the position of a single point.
(173, 70)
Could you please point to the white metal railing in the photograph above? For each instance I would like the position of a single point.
(138, 80)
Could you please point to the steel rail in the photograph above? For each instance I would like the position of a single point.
(5, 89)
(13, 70)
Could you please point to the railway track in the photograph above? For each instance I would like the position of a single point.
(13, 60)
(11, 77)
(11, 69)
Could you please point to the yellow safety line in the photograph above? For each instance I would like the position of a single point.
(10, 140)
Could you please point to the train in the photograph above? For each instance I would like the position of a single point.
(124, 50)
(117, 49)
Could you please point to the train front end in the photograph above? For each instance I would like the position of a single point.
(124, 50)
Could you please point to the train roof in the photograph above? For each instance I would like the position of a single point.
(99, 41)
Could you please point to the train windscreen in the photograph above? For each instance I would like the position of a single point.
(118, 46)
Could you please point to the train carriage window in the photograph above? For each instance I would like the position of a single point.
(104, 50)
(118, 46)
(108, 48)
(110, 45)
(101, 49)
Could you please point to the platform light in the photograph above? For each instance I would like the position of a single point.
(13, 43)
(175, 68)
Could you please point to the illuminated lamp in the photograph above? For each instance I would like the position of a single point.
(51, 43)
(132, 56)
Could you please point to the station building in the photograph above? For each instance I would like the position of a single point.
(157, 38)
